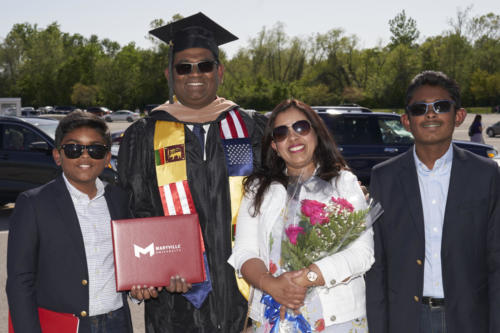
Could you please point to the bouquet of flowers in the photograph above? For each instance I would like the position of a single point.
(324, 229)
(316, 224)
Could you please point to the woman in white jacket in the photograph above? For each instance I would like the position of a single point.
(297, 143)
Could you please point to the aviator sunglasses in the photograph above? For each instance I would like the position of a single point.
(421, 108)
(75, 150)
(301, 127)
(185, 68)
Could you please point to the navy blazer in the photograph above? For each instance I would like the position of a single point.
(470, 249)
(46, 261)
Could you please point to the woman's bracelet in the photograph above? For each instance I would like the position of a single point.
(262, 277)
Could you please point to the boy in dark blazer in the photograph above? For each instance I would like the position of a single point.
(60, 254)
(437, 246)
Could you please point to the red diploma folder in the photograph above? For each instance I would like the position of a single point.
(54, 322)
(148, 251)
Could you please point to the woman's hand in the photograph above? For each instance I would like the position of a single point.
(302, 280)
(284, 290)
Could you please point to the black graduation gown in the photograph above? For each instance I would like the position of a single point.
(224, 310)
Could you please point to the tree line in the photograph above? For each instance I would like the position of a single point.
(46, 66)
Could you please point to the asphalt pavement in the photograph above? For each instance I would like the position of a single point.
(137, 310)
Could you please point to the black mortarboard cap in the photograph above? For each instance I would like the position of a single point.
(194, 31)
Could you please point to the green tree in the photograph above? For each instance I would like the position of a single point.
(84, 95)
(404, 30)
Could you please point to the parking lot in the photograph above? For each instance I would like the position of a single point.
(137, 311)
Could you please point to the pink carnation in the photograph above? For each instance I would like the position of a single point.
(343, 203)
(315, 211)
(293, 232)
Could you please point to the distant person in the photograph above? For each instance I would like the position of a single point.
(60, 253)
(476, 129)
(437, 245)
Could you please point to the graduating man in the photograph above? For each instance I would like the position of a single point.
(437, 247)
(191, 156)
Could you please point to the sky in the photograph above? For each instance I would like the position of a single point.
(126, 21)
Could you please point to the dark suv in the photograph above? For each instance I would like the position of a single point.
(368, 138)
(26, 155)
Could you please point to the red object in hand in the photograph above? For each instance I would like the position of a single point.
(54, 322)
(148, 251)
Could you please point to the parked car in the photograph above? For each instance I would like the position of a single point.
(368, 138)
(344, 108)
(493, 129)
(99, 110)
(122, 115)
(29, 111)
(45, 109)
(26, 156)
(149, 107)
(116, 137)
(63, 109)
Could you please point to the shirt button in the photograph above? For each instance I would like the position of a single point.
(84, 282)
(333, 282)
(435, 229)
(433, 202)
(333, 318)
(416, 298)
(83, 313)
(419, 262)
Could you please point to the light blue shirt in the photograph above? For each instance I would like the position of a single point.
(434, 193)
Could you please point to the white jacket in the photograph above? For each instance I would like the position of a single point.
(341, 302)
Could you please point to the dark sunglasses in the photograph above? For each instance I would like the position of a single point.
(421, 108)
(75, 150)
(302, 127)
(187, 67)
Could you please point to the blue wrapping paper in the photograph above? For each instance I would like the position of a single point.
(272, 314)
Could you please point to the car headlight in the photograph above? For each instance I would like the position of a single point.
(492, 153)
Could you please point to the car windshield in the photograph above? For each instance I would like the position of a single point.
(49, 127)
(393, 132)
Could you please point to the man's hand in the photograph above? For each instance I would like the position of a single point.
(178, 285)
(144, 292)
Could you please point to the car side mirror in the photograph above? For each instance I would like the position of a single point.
(40, 146)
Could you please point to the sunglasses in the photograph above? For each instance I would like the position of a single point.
(75, 150)
(187, 67)
(301, 127)
(421, 108)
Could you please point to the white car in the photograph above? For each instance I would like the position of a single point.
(122, 115)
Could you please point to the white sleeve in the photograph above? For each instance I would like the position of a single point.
(246, 245)
(358, 257)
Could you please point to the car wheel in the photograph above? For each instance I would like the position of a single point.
(490, 133)
(129, 119)
(108, 119)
